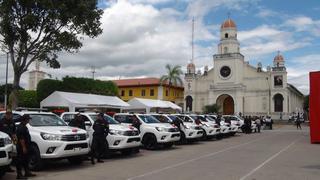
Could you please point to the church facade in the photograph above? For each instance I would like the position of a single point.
(238, 87)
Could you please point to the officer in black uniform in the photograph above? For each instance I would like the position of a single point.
(23, 148)
(99, 140)
(8, 126)
(136, 122)
(78, 122)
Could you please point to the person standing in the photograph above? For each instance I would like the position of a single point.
(23, 148)
(8, 126)
(258, 122)
(298, 123)
(78, 122)
(99, 140)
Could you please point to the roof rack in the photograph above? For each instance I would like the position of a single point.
(31, 109)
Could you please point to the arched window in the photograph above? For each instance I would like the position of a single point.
(226, 35)
(278, 103)
(189, 103)
(225, 50)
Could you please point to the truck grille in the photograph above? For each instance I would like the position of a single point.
(173, 130)
(175, 135)
(133, 139)
(74, 137)
(197, 128)
(1, 142)
(72, 146)
(131, 133)
(3, 154)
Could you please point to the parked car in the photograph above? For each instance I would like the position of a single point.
(52, 138)
(152, 131)
(235, 121)
(121, 138)
(209, 130)
(189, 131)
(6, 150)
(224, 127)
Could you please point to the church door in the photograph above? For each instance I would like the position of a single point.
(228, 106)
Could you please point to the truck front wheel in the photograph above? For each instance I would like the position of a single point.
(35, 163)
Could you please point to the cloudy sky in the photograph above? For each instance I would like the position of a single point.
(141, 36)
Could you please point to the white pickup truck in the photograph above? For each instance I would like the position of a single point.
(152, 131)
(6, 149)
(121, 138)
(210, 130)
(189, 132)
(52, 138)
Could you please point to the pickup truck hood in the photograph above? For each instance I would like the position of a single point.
(121, 127)
(163, 125)
(62, 130)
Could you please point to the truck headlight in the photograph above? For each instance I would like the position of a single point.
(7, 141)
(160, 129)
(50, 137)
(114, 132)
(187, 127)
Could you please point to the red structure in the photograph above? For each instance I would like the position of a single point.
(314, 107)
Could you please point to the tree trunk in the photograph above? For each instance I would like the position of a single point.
(14, 93)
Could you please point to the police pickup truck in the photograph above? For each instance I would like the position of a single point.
(52, 138)
(125, 139)
(152, 131)
(6, 149)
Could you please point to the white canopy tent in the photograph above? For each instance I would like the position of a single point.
(80, 100)
(151, 104)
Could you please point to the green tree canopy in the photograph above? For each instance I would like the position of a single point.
(2, 91)
(212, 108)
(78, 85)
(28, 99)
(33, 30)
(172, 76)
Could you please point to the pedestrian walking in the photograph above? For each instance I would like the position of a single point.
(78, 122)
(23, 148)
(99, 140)
(258, 122)
(298, 123)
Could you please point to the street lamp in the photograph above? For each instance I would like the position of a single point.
(6, 86)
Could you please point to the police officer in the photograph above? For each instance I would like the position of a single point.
(8, 126)
(78, 122)
(99, 140)
(136, 122)
(23, 148)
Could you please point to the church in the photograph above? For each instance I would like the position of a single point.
(238, 87)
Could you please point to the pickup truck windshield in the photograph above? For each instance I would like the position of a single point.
(106, 117)
(148, 119)
(162, 118)
(46, 120)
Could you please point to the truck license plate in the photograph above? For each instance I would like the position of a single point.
(77, 149)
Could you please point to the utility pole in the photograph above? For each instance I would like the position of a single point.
(192, 42)
(93, 71)
(6, 86)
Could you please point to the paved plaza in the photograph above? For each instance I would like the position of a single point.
(283, 153)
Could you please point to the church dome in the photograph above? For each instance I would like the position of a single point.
(229, 23)
(191, 66)
(278, 58)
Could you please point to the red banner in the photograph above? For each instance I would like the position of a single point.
(314, 107)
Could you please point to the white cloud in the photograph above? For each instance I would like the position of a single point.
(298, 73)
(266, 13)
(304, 23)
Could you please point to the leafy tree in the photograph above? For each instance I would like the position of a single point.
(2, 91)
(47, 86)
(77, 85)
(28, 98)
(212, 108)
(306, 103)
(172, 76)
(33, 30)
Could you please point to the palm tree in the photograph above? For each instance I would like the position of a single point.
(172, 76)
